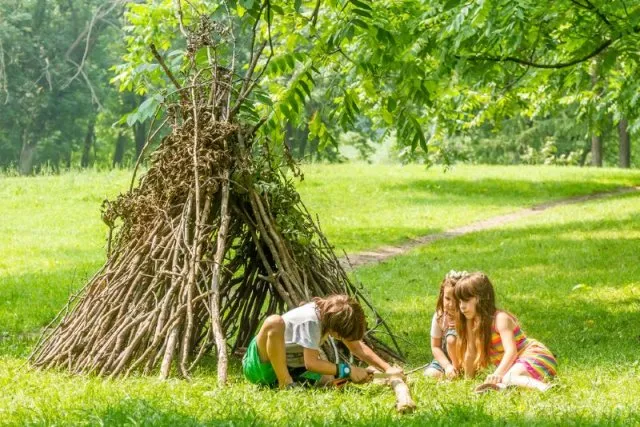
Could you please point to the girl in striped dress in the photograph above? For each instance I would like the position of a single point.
(490, 336)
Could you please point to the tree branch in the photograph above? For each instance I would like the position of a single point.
(521, 61)
(181, 19)
(94, 97)
(243, 94)
(164, 67)
(254, 55)
(86, 35)
(233, 61)
(314, 15)
(590, 7)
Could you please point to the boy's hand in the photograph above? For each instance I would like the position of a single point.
(358, 375)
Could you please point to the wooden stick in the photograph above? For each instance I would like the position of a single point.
(404, 402)
(215, 283)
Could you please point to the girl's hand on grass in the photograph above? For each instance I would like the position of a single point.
(358, 375)
(493, 379)
(450, 372)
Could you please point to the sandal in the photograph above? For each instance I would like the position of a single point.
(485, 387)
(338, 382)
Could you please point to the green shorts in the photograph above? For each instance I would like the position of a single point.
(259, 372)
(254, 369)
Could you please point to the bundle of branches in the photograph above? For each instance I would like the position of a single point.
(212, 240)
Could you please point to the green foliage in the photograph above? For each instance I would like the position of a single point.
(425, 73)
(362, 145)
(548, 155)
(426, 70)
(553, 140)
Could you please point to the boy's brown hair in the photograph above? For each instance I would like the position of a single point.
(342, 315)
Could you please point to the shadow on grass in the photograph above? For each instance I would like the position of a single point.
(493, 191)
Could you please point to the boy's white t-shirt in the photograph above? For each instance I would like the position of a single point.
(302, 330)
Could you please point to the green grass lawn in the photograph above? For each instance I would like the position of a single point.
(364, 206)
(571, 275)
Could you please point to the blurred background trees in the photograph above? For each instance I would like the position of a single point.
(488, 81)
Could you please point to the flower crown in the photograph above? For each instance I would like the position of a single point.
(456, 275)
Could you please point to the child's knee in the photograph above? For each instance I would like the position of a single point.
(432, 372)
(274, 324)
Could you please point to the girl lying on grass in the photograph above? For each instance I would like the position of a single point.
(286, 350)
(443, 331)
(488, 335)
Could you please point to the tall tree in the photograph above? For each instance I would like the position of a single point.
(625, 144)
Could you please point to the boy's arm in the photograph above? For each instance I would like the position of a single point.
(313, 363)
(364, 353)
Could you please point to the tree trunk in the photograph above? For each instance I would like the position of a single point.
(118, 154)
(296, 139)
(304, 139)
(596, 150)
(88, 143)
(27, 155)
(140, 137)
(625, 144)
(596, 140)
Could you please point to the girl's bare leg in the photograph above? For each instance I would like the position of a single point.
(519, 376)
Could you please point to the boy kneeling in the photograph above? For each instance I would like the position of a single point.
(286, 346)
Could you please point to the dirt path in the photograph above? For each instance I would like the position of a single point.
(384, 252)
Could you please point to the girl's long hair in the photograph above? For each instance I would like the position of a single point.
(476, 285)
(449, 280)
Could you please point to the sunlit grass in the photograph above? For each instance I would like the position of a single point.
(571, 275)
(579, 294)
(362, 206)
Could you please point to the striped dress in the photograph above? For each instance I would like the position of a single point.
(532, 354)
